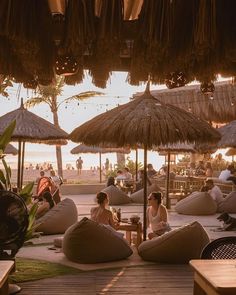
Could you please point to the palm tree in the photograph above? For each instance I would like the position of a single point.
(49, 95)
(4, 83)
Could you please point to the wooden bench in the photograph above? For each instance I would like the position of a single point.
(6, 266)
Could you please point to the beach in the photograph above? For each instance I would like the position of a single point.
(69, 176)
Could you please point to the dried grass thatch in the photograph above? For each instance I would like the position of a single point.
(177, 148)
(220, 109)
(228, 135)
(10, 149)
(144, 121)
(32, 128)
(82, 148)
(231, 152)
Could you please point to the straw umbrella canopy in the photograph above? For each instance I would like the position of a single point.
(144, 121)
(228, 135)
(231, 152)
(30, 128)
(10, 149)
(82, 148)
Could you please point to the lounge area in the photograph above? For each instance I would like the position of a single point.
(110, 276)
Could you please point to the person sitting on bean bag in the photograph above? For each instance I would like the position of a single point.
(45, 204)
(157, 215)
(100, 213)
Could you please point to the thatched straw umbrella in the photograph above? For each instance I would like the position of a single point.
(82, 148)
(30, 128)
(228, 135)
(10, 149)
(220, 107)
(144, 121)
(231, 152)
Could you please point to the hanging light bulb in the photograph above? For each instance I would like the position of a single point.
(175, 79)
(66, 65)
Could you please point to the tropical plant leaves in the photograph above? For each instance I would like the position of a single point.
(5, 138)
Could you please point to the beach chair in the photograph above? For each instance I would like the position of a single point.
(46, 184)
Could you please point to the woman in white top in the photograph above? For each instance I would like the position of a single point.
(157, 215)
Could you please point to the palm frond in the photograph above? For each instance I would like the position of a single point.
(32, 102)
(84, 95)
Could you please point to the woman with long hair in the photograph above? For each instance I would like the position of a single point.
(157, 215)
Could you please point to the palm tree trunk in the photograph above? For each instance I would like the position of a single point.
(120, 159)
(58, 148)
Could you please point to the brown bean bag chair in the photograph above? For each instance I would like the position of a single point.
(198, 203)
(116, 196)
(90, 242)
(228, 204)
(177, 246)
(138, 196)
(59, 218)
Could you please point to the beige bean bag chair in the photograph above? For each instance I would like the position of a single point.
(116, 196)
(198, 203)
(228, 204)
(177, 246)
(59, 218)
(137, 197)
(90, 242)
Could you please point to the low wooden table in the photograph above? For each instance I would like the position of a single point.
(132, 227)
(214, 277)
(6, 266)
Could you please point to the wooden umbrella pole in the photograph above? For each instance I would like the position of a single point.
(22, 164)
(136, 166)
(168, 181)
(100, 166)
(145, 195)
(19, 165)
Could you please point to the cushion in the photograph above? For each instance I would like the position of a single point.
(90, 242)
(59, 218)
(116, 196)
(138, 197)
(57, 242)
(177, 246)
(228, 204)
(198, 203)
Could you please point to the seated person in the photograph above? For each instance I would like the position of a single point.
(228, 174)
(110, 181)
(150, 170)
(128, 176)
(157, 215)
(213, 190)
(140, 183)
(200, 169)
(163, 173)
(45, 204)
(209, 170)
(100, 213)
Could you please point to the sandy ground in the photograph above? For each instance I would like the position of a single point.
(69, 176)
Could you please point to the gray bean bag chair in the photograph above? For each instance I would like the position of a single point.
(177, 246)
(138, 196)
(59, 218)
(198, 203)
(116, 196)
(90, 242)
(228, 204)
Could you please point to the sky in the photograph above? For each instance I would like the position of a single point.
(73, 114)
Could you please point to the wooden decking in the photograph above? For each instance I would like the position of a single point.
(149, 279)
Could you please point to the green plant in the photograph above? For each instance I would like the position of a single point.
(5, 181)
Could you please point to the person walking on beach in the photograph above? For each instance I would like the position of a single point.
(79, 165)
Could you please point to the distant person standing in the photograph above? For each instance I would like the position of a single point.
(107, 164)
(79, 165)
